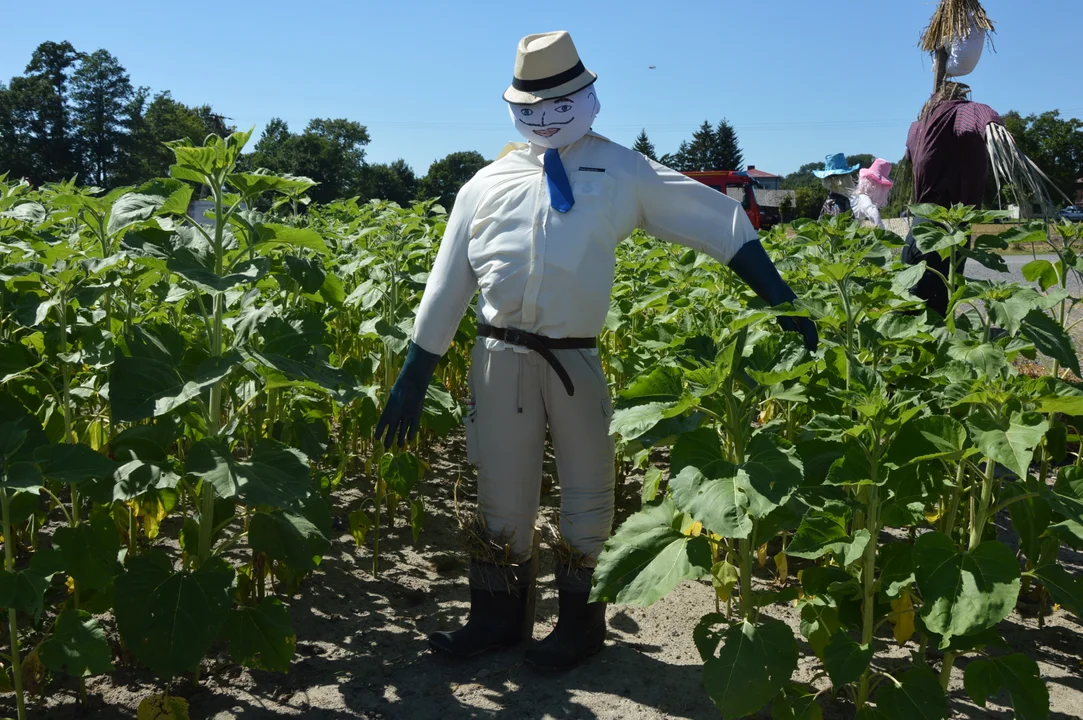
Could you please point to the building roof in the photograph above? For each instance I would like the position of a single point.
(753, 172)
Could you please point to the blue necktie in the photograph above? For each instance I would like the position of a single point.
(560, 190)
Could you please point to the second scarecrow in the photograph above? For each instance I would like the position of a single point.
(955, 142)
(872, 192)
(837, 177)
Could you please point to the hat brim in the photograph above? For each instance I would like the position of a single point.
(875, 177)
(828, 173)
(520, 97)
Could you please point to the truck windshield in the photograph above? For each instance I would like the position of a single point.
(747, 196)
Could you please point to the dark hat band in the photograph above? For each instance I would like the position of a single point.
(550, 82)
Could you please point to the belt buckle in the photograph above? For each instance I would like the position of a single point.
(514, 336)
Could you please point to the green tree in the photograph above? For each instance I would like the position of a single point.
(101, 94)
(644, 146)
(447, 175)
(24, 128)
(73, 114)
(695, 155)
(901, 190)
(272, 149)
(787, 208)
(802, 177)
(51, 142)
(809, 200)
(395, 182)
(150, 125)
(710, 149)
(863, 159)
(331, 152)
(729, 155)
(8, 137)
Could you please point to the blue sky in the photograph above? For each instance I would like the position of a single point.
(798, 79)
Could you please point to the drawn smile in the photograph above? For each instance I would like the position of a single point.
(547, 132)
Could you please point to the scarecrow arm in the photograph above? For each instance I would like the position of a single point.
(451, 284)
(450, 288)
(675, 208)
(678, 209)
(874, 216)
(402, 416)
(752, 265)
(1011, 167)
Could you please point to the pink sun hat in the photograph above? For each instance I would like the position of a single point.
(878, 173)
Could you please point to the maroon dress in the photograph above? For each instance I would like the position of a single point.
(948, 154)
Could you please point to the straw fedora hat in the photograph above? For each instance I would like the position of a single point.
(547, 66)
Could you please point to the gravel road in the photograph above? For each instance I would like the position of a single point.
(1015, 265)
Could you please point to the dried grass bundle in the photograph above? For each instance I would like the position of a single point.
(952, 21)
(565, 554)
(945, 92)
(480, 544)
(1012, 168)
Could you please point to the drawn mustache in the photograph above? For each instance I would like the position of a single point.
(555, 122)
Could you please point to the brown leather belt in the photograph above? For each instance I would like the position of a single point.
(542, 345)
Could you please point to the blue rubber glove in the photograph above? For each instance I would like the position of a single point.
(402, 415)
(754, 267)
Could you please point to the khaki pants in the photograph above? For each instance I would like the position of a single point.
(516, 395)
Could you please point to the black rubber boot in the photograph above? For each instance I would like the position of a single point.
(580, 630)
(501, 612)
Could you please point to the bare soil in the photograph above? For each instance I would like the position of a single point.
(361, 650)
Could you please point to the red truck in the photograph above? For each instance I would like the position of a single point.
(723, 180)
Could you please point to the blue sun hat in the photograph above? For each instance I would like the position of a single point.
(836, 165)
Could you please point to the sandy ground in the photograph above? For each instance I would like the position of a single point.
(361, 650)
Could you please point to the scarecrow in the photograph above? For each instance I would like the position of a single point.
(837, 178)
(536, 232)
(873, 192)
(955, 141)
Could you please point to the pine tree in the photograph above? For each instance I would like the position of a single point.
(699, 154)
(682, 159)
(101, 93)
(53, 142)
(644, 146)
(727, 153)
(710, 149)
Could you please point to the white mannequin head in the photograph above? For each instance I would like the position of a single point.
(841, 184)
(877, 192)
(559, 122)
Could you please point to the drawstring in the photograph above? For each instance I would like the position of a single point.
(519, 384)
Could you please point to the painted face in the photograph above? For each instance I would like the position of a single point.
(841, 184)
(559, 122)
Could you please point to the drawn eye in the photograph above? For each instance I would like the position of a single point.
(563, 108)
(526, 112)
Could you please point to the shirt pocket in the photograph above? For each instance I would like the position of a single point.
(593, 186)
(588, 223)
